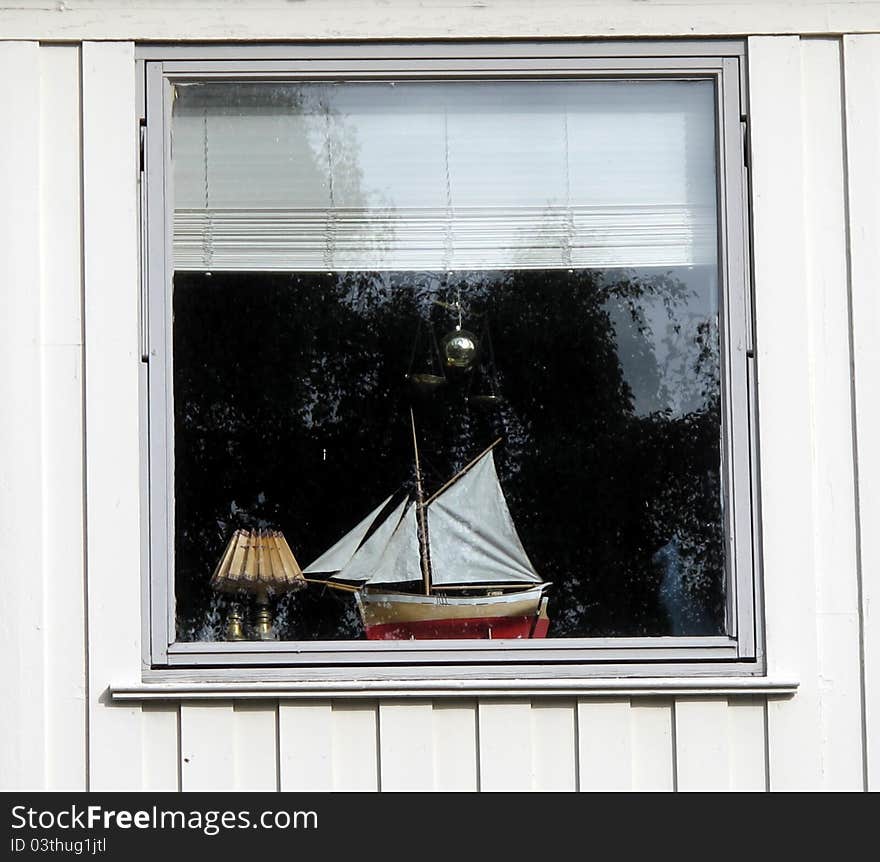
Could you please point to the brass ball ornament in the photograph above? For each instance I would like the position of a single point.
(460, 349)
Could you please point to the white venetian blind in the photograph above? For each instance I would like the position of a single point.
(453, 175)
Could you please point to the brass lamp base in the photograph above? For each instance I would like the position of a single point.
(235, 623)
(264, 626)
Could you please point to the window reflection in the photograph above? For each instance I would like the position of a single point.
(292, 412)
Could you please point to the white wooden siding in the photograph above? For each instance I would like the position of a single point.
(406, 737)
(69, 265)
(426, 19)
(354, 746)
(455, 745)
(61, 404)
(305, 746)
(22, 639)
(161, 761)
(523, 744)
(862, 84)
(834, 545)
(652, 746)
(604, 745)
(110, 266)
(783, 350)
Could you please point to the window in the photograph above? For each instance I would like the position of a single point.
(448, 359)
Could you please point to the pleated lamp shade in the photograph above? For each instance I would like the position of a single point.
(258, 562)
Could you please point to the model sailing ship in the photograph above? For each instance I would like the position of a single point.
(459, 545)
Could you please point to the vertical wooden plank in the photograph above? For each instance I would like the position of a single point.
(306, 740)
(833, 456)
(406, 745)
(256, 749)
(63, 564)
(111, 382)
(702, 744)
(355, 746)
(60, 195)
(653, 766)
(604, 744)
(554, 745)
(862, 84)
(784, 403)
(840, 693)
(161, 748)
(505, 739)
(62, 406)
(207, 746)
(455, 745)
(22, 710)
(746, 722)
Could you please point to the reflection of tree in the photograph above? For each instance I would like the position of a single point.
(292, 410)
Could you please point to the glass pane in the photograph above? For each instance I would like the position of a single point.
(585, 337)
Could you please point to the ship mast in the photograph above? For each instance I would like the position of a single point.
(424, 554)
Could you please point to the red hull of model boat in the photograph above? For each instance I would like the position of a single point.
(493, 628)
(406, 616)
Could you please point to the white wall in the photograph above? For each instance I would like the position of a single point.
(426, 19)
(69, 476)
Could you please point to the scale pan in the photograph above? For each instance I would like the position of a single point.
(425, 382)
(484, 400)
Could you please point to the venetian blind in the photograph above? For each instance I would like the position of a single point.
(451, 175)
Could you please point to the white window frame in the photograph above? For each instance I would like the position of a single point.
(739, 653)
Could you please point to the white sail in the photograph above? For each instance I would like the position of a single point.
(471, 533)
(364, 564)
(400, 561)
(337, 557)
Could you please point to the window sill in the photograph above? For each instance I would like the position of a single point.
(434, 688)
